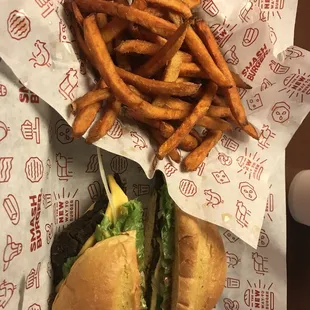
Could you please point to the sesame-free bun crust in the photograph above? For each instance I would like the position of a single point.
(199, 269)
(105, 277)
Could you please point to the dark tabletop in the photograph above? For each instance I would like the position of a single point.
(297, 159)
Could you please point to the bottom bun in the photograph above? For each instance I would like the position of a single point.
(199, 270)
(106, 276)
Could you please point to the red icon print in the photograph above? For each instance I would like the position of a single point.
(119, 164)
(41, 57)
(245, 12)
(116, 131)
(33, 278)
(26, 95)
(224, 159)
(297, 84)
(63, 132)
(201, 169)
(280, 112)
(242, 92)
(31, 131)
(232, 283)
(141, 189)
(7, 290)
(3, 131)
(230, 304)
(270, 9)
(263, 241)
(270, 206)
(11, 208)
(250, 36)
(11, 250)
(94, 190)
(251, 165)
(232, 260)
(64, 33)
(18, 25)
(259, 296)
(138, 140)
(229, 143)
(272, 35)
(255, 102)
(265, 136)
(5, 169)
(230, 236)
(188, 188)
(223, 32)
(213, 198)
(266, 84)
(3, 90)
(93, 164)
(47, 201)
(221, 177)
(170, 169)
(34, 169)
(293, 52)
(242, 213)
(210, 7)
(259, 262)
(277, 68)
(34, 307)
(63, 163)
(47, 7)
(248, 191)
(68, 84)
(49, 229)
(231, 56)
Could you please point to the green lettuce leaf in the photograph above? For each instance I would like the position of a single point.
(67, 265)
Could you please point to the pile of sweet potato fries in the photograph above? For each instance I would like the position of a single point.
(159, 66)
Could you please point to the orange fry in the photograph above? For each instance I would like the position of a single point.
(219, 101)
(198, 112)
(101, 19)
(105, 122)
(192, 3)
(196, 157)
(155, 11)
(159, 60)
(77, 14)
(108, 72)
(174, 5)
(214, 123)
(84, 119)
(89, 98)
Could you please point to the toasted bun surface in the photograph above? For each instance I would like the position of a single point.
(105, 277)
(199, 269)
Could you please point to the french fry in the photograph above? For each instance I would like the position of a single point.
(173, 154)
(187, 125)
(89, 98)
(175, 18)
(77, 14)
(161, 27)
(196, 157)
(108, 72)
(221, 112)
(232, 94)
(155, 11)
(239, 82)
(214, 123)
(142, 34)
(121, 59)
(84, 119)
(101, 19)
(251, 131)
(219, 101)
(158, 87)
(146, 48)
(192, 3)
(105, 122)
(174, 5)
(155, 63)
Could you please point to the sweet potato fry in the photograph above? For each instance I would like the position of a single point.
(214, 123)
(219, 101)
(174, 154)
(89, 98)
(84, 119)
(196, 157)
(158, 87)
(161, 27)
(77, 14)
(101, 19)
(105, 122)
(146, 48)
(108, 72)
(155, 63)
(220, 112)
(198, 112)
(232, 94)
(174, 5)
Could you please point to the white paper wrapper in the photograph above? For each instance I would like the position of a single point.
(47, 180)
(230, 187)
